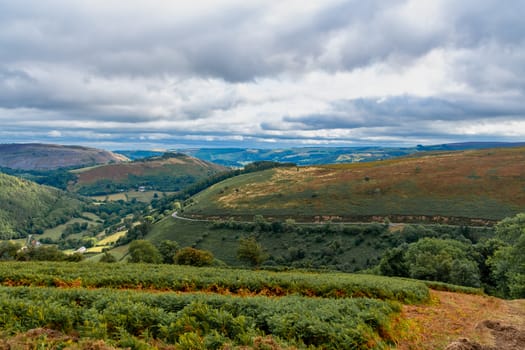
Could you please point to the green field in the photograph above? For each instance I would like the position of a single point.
(145, 196)
(55, 232)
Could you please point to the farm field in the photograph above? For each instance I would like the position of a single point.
(466, 187)
(55, 232)
(145, 196)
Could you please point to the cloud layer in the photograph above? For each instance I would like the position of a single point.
(206, 73)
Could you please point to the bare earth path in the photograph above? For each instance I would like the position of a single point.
(464, 322)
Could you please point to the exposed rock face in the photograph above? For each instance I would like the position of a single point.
(34, 156)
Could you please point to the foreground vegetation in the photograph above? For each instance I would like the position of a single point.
(193, 279)
(194, 321)
(239, 307)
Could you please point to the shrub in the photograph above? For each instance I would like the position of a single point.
(194, 257)
(142, 251)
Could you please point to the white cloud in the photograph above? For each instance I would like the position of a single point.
(262, 71)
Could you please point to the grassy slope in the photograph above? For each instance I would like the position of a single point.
(24, 203)
(487, 184)
(356, 248)
(179, 168)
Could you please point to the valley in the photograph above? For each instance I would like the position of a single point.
(408, 246)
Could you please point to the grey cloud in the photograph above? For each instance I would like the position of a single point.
(403, 110)
(234, 43)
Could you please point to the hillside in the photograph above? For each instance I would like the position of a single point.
(26, 207)
(33, 156)
(170, 172)
(480, 184)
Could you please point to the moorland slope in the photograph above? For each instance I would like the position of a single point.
(34, 156)
(444, 187)
(169, 172)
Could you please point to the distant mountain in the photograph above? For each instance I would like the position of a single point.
(139, 154)
(34, 156)
(26, 207)
(169, 172)
(238, 157)
(480, 184)
(469, 145)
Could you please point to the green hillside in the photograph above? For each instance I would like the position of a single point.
(26, 207)
(441, 187)
(169, 172)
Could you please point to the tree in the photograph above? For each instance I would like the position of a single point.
(444, 260)
(8, 250)
(168, 249)
(41, 253)
(107, 257)
(393, 262)
(510, 230)
(486, 251)
(193, 257)
(251, 251)
(142, 251)
(508, 262)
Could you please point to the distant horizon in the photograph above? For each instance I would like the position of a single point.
(275, 147)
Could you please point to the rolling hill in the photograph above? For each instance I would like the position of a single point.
(440, 187)
(34, 156)
(239, 157)
(26, 207)
(169, 172)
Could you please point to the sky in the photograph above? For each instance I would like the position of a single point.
(141, 74)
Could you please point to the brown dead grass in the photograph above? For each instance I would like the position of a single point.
(452, 316)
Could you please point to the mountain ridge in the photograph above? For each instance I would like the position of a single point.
(39, 156)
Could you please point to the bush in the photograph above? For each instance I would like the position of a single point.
(251, 251)
(194, 257)
(107, 257)
(142, 251)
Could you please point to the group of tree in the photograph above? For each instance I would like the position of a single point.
(15, 251)
(497, 264)
(167, 252)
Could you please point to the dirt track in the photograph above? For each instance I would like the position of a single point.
(465, 322)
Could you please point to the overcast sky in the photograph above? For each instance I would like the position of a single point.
(160, 73)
